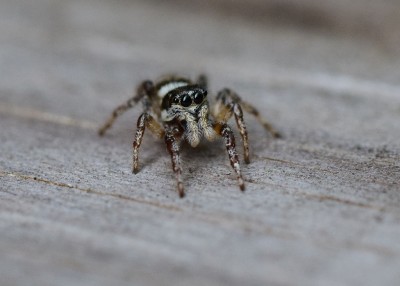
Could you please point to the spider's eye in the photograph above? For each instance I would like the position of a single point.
(186, 101)
(175, 100)
(198, 98)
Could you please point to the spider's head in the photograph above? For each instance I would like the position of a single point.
(183, 101)
(188, 107)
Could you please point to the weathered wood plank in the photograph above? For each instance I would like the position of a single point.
(321, 206)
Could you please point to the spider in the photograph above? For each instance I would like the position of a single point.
(176, 109)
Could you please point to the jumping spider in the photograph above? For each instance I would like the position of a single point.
(176, 110)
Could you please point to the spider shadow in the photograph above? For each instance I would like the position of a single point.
(193, 158)
(197, 158)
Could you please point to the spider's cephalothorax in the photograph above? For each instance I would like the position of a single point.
(177, 110)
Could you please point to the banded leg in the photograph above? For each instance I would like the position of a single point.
(227, 96)
(144, 120)
(145, 89)
(173, 146)
(226, 132)
(252, 110)
(228, 104)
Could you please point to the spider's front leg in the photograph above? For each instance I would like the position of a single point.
(228, 104)
(173, 140)
(225, 131)
(145, 91)
(267, 126)
(144, 120)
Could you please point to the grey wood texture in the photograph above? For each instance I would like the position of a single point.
(321, 205)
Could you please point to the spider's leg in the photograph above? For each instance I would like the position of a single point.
(226, 132)
(228, 96)
(145, 90)
(252, 110)
(172, 140)
(228, 104)
(144, 120)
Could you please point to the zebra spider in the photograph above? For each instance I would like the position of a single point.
(177, 110)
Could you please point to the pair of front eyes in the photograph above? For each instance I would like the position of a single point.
(187, 100)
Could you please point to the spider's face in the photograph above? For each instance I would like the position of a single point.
(187, 107)
(184, 102)
(188, 97)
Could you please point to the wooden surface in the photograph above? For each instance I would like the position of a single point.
(321, 206)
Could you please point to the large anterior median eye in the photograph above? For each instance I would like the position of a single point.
(198, 98)
(186, 101)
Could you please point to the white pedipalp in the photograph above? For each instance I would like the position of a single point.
(192, 133)
(204, 124)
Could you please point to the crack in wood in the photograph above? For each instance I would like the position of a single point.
(333, 169)
(224, 219)
(88, 190)
(34, 114)
(220, 219)
(299, 192)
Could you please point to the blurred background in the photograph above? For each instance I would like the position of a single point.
(56, 51)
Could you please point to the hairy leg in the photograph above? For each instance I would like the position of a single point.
(228, 104)
(226, 132)
(145, 90)
(227, 96)
(252, 110)
(144, 120)
(172, 140)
